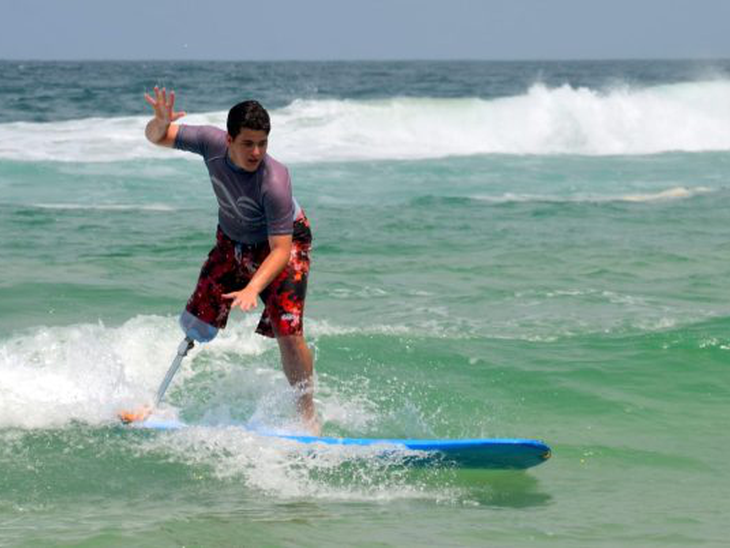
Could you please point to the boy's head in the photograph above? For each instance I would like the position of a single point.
(248, 134)
(249, 115)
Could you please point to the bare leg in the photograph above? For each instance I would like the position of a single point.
(296, 359)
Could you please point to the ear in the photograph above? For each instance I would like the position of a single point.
(229, 140)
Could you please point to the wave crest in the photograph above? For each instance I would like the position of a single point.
(689, 117)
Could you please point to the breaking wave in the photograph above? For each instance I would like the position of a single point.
(690, 117)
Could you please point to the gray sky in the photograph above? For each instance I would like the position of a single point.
(364, 29)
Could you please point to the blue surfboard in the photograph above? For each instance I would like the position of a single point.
(494, 453)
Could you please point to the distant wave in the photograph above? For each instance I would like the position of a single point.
(106, 207)
(675, 193)
(687, 117)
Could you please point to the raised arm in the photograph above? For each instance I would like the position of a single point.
(161, 130)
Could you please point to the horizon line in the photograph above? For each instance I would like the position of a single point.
(363, 60)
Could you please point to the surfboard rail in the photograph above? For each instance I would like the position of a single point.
(490, 453)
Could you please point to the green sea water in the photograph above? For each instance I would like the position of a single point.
(567, 281)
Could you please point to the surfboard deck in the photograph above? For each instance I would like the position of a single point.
(491, 453)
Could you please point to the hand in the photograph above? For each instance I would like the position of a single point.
(246, 299)
(164, 106)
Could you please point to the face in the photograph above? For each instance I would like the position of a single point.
(248, 148)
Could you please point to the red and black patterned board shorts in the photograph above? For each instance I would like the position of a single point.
(231, 265)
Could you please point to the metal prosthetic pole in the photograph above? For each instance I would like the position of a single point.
(141, 414)
(182, 350)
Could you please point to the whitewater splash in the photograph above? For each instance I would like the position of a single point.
(689, 117)
(65, 377)
(53, 376)
(88, 372)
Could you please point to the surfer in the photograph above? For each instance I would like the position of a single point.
(263, 238)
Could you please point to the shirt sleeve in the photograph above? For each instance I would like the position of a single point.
(278, 204)
(199, 139)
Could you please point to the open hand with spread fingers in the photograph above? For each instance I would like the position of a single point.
(157, 130)
(164, 105)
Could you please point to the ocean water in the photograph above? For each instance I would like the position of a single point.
(529, 250)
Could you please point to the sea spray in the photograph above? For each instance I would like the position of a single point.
(544, 120)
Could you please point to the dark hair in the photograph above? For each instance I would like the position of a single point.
(249, 115)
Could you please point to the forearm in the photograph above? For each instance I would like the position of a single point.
(156, 130)
(272, 266)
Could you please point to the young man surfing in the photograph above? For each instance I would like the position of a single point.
(262, 242)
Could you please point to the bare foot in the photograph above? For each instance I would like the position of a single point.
(135, 416)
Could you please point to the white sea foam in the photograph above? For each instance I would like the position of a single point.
(562, 120)
(107, 207)
(290, 470)
(89, 372)
(674, 193)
